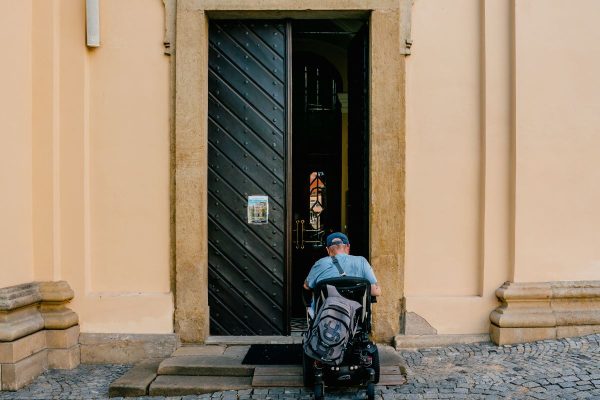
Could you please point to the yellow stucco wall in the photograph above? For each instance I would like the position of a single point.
(502, 169)
(502, 165)
(557, 189)
(95, 171)
(16, 237)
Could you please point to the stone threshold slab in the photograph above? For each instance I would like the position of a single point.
(249, 340)
(425, 341)
(205, 365)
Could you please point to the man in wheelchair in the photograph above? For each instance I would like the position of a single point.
(355, 266)
(337, 348)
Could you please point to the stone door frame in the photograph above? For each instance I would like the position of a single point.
(190, 136)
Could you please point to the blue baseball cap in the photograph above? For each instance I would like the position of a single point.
(337, 238)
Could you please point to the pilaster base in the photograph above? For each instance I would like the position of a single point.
(64, 358)
(533, 311)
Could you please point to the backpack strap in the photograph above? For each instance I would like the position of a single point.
(338, 266)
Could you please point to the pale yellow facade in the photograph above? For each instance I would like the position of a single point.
(501, 176)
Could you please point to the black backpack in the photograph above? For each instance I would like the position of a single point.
(334, 325)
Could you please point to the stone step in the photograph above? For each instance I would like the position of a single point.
(174, 385)
(389, 356)
(278, 375)
(207, 369)
(205, 366)
(136, 381)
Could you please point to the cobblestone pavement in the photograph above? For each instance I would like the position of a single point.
(553, 369)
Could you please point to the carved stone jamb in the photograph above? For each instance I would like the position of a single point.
(55, 296)
(405, 26)
(170, 14)
(189, 151)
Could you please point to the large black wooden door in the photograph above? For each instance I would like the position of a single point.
(247, 140)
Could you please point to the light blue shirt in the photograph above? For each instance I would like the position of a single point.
(354, 266)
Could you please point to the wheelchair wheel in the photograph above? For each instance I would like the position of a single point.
(319, 391)
(308, 372)
(375, 364)
(370, 391)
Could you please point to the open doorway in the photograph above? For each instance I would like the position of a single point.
(330, 145)
(288, 130)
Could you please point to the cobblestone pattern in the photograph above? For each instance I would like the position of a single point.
(83, 382)
(553, 369)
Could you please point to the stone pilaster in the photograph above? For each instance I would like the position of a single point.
(37, 331)
(61, 324)
(545, 310)
(22, 344)
(55, 296)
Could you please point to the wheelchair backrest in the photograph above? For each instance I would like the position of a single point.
(357, 289)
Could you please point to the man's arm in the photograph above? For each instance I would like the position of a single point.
(369, 275)
(375, 290)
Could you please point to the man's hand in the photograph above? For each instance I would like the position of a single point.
(375, 290)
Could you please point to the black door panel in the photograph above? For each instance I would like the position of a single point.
(246, 156)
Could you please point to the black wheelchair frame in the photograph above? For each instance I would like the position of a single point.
(360, 365)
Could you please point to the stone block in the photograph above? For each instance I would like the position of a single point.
(17, 375)
(278, 376)
(250, 340)
(277, 381)
(136, 381)
(107, 348)
(199, 351)
(184, 385)
(21, 322)
(18, 296)
(62, 338)
(55, 296)
(55, 292)
(388, 356)
(238, 352)
(577, 330)
(425, 341)
(12, 352)
(502, 336)
(58, 316)
(64, 358)
(205, 365)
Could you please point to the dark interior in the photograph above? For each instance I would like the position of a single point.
(329, 142)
